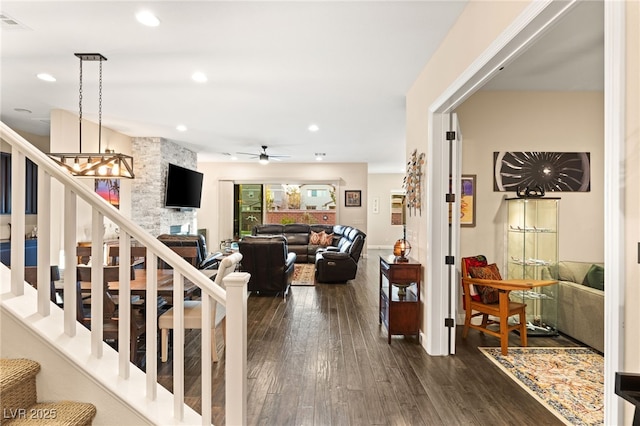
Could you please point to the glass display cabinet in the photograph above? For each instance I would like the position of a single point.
(532, 253)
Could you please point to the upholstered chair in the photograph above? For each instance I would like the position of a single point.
(269, 262)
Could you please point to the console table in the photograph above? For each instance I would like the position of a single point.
(400, 296)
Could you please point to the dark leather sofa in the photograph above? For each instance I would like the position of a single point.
(340, 263)
(205, 260)
(269, 262)
(298, 237)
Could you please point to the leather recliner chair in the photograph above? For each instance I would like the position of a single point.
(337, 264)
(205, 260)
(269, 262)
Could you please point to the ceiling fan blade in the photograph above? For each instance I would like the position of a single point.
(279, 156)
(248, 153)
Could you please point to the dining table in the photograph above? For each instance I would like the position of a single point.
(139, 284)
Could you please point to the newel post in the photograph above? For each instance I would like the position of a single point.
(236, 348)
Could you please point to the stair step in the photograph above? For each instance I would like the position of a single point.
(68, 413)
(18, 399)
(17, 383)
(13, 371)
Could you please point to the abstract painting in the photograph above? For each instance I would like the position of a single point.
(550, 171)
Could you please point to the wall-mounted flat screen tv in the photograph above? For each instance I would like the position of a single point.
(184, 188)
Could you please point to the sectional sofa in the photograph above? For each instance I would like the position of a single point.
(335, 249)
(580, 305)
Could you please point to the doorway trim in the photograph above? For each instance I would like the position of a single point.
(525, 30)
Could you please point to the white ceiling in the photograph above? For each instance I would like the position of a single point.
(273, 68)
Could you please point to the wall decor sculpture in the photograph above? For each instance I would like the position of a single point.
(413, 183)
(549, 171)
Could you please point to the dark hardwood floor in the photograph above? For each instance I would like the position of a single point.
(321, 358)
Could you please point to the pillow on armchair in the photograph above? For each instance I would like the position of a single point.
(489, 272)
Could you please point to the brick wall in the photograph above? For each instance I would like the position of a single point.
(325, 217)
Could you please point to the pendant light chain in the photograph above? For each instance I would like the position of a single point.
(80, 106)
(100, 109)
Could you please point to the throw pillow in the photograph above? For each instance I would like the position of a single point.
(472, 262)
(326, 239)
(316, 238)
(489, 272)
(595, 277)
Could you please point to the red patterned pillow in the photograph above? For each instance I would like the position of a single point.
(316, 238)
(473, 262)
(327, 239)
(489, 272)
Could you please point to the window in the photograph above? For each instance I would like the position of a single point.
(31, 184)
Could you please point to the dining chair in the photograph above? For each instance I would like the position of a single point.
(31, 276)
(110, 310)
(138, 256)
(83, 254)
(193, 312)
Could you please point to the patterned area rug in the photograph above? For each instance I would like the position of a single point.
(304, 274)
(568, 381)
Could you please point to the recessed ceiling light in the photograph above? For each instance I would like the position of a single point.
(181, 128)
(46, 77)
(147, 18)
(199, 77)
(313, 127)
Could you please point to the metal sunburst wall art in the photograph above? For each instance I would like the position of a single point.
(412, 183)
(531, 174)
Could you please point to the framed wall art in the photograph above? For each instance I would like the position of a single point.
(109, 189)
(352, 198)
(468, 200)
(548, 171)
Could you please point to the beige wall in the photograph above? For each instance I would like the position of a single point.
(534, 121)
(381, 233)
(351, 176)
(478, 26)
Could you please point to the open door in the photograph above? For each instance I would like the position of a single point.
(453, 197)
(443, 228)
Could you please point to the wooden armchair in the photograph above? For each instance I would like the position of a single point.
(486, 295)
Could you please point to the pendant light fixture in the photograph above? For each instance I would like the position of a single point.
(100, 165)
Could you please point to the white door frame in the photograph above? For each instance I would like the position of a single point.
(521, 34)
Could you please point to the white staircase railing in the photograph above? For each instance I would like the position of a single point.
(233, 298)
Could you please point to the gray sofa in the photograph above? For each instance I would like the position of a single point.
(580, 301)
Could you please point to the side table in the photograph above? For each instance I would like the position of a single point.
(400, 296)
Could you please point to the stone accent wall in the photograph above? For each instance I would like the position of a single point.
(152, 157)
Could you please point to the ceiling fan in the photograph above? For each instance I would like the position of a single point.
(263, 156)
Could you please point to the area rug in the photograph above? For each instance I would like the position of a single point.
(568, 381)
(304, 274)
